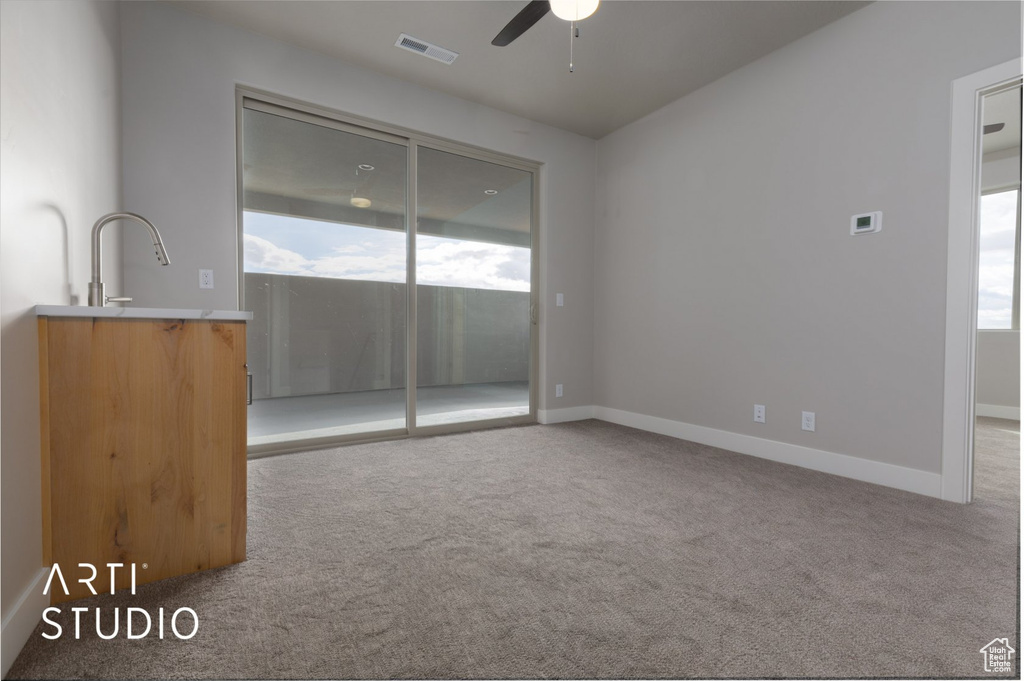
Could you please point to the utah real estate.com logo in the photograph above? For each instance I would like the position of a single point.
(998, 656)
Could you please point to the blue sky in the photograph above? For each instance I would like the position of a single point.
(277, 244)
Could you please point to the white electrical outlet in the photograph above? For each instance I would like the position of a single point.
(559, 300)
(807, 421)
(558, 389)
(205, 278)
(758, 413)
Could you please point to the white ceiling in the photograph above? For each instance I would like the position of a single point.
(632, 57)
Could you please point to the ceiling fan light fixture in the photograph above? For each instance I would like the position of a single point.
(574, 10)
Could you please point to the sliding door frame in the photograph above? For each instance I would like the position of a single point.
(259, 100)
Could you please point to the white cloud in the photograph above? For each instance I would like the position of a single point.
(446, 262)
(996, 263)
(439, 262)
(357, 262)
(263, 256)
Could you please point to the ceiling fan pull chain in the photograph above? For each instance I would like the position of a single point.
(572, 34)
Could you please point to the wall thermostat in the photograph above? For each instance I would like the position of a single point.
(866, 223)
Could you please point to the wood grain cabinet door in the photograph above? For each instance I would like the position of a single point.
(144, 443)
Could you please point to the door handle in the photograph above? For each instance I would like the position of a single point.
(248, 385)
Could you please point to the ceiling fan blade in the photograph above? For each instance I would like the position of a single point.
(526, 18)
(993, 127)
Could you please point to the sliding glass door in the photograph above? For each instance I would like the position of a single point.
(473, 266)
(327, 251)
(324, 258)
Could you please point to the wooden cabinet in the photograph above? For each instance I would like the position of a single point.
(143, 446)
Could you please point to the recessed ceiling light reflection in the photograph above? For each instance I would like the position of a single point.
(365, 166)
(360, 202)
(490, 192)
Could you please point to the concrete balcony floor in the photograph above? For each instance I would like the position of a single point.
(283, 419)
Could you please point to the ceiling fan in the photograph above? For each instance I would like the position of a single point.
(570, 10)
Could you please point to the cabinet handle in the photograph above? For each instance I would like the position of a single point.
(248, 385)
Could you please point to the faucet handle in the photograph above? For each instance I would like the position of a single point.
(118, 300)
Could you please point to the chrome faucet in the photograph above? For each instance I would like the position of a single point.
(96, 297)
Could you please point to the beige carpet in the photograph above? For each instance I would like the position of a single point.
(582, 550)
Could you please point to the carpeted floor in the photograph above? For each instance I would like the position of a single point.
(581, 550)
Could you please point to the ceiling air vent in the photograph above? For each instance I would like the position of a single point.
(407, 42)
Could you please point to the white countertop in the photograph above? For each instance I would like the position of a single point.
(140, 313)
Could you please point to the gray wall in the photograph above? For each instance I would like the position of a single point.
(312, 335)
(179, 75)
(997, 373)
(59, 169)
(725, 272)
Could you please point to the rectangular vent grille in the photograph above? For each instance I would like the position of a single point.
(407, 42)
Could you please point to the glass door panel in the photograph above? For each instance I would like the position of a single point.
(473, 276)
(324, 273)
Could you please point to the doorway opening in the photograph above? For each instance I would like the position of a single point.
(997, 346)
(965, 258)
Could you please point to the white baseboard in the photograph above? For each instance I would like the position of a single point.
(548, 416)
(997, 411)
(21, 621)
(900, 477)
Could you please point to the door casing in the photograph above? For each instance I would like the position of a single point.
(966, 118)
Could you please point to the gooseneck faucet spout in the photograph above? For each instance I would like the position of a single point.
(96, 297)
